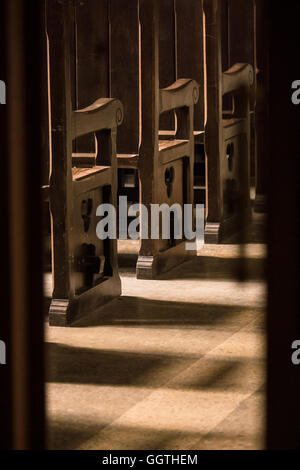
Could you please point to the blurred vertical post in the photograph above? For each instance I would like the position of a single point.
(283, 391)
(22, 144)
(5, 327)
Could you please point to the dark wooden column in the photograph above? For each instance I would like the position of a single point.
(149, 20)
(22, 395)
(59, 34)
(283, 406)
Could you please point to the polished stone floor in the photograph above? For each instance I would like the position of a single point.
(177, 363)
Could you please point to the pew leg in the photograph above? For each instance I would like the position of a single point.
(63, 312)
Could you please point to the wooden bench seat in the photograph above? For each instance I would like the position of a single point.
(170, 150)
(127, 161)
(79, 174)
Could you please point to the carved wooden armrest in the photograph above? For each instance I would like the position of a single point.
(183, 92)
(105, 113)
(238, 76)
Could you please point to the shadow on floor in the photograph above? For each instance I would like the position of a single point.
(68, 435)
(216, 268)
(127, 311)
(204, 267)
(76, 365)
(256, 231)
(68, 364)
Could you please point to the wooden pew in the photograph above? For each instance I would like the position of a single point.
(159, 157)
(85, 272)
(146, 150)
(206, 59)
(240, 30)
(181, 55)
(227, 135)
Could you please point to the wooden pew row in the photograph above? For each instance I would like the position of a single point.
(225, 132)
(146, 150)
(85, 271)
(85, 62)
(134, 61)
(223, 178)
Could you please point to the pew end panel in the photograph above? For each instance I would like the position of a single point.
(93, 274)
(173, 180)
(227, 135)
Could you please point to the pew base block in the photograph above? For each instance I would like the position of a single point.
(152, 266)
(60, 312)
(212, 233)
(63, 312)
